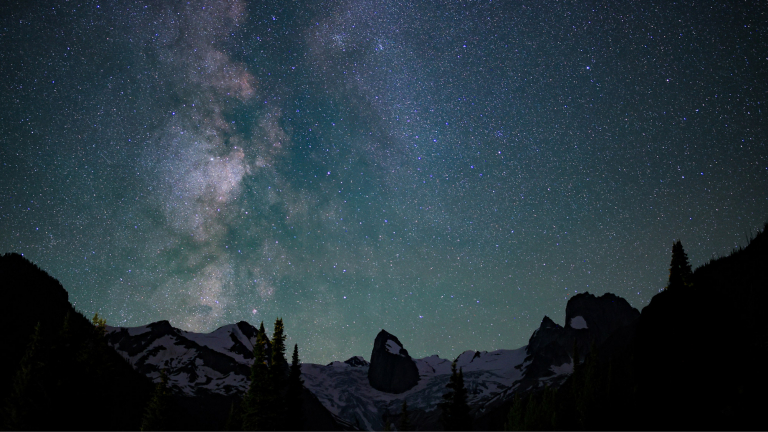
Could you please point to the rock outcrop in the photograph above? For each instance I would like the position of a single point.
(588, 319)
(196, 364)
(391, 369)
(600, 315)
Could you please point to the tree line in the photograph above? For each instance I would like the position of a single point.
(273, 400)
(594, 397)
(69, 378)
(62, 375)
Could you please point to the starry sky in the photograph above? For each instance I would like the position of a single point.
(448, 171)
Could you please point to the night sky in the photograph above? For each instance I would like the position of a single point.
(448, 171)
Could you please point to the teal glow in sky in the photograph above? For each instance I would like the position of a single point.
(448, 171)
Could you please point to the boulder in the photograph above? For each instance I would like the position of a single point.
(391, 369)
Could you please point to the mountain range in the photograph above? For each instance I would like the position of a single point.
(689, 360)
(202, 365)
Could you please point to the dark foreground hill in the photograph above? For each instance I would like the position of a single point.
(56, 370)
(699, 350)
(692, 361)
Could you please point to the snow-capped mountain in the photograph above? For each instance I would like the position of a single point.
(196, 363)
(344, 389)
(367, 395)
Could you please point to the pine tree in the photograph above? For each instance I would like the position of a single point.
(680, 274)
(70, 356)
(278, 365)
(587, 390)
(267, 344)
(532, 413)
(278, 371)
(515, 417)
(235, 417)
(445, 405)
(293, 398)
(100, 324)
(548, 410)
(18, 407)
(66, 336)
(156, 413)
(405, 421)
(455, 410)
(258, 401)
(461, 407)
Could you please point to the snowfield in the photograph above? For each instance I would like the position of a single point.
(219, 362)
(345, 391)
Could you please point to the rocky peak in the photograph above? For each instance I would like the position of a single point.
(392, 369)
(163, 327)
(600, 316)
(248, 330)
(588, 319)
(547, 332)
(357, 361)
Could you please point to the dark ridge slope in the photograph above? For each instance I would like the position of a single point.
(692, 360)
(75, 381)
(30, 296)
(699, 350)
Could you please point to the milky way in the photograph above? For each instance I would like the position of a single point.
(448, 171)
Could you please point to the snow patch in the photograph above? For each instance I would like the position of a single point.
(433, 365)
(220, 340)
(393, 347)
(578, 322)
(465, 359)
(563, 369)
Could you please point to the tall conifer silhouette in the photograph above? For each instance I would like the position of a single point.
(680, 274)
(293, 397)
(405, 420)
(278, 364)
(156, 413)
(455, 415)
(19, 405)
(257, 402)
(278, 370)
